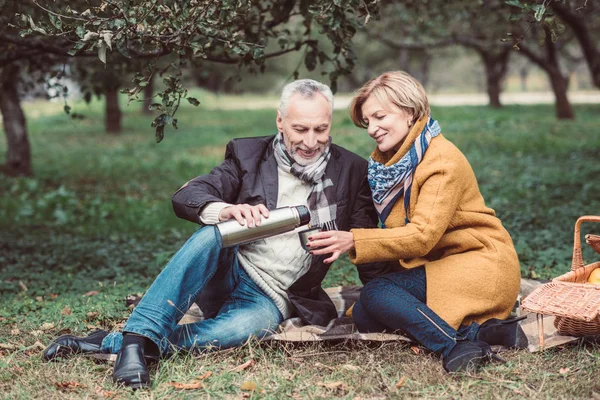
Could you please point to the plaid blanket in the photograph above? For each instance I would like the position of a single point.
(342, 328)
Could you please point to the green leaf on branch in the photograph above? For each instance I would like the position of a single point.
(160, 133)
(80, 31)
(76, 48)
(515, 3)
(56, 21)
(310, 61)
(193, 101)
(102, 52)
(540, 9)
(122, 48)
(67, 109)
(107, 36)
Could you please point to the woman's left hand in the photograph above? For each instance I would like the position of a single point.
(328, 242)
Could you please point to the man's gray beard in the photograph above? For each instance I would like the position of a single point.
(303, 161)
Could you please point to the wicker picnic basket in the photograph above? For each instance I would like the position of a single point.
(574, 302)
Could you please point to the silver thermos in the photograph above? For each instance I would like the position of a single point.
(280, 220)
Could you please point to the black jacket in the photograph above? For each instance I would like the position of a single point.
(249, 175)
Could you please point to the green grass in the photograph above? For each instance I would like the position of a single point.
(96, 217)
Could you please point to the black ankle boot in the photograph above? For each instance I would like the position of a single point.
(67, 345)
(507, 333)
(469, 356)
(130, 368)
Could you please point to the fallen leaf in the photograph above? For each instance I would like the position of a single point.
(107, 394)
(46, 326)
(415, 349)
(92, 314)
(205, 375)
(39, 298)
(22, 285)
(350, 367)
(319, 365)
(243, 366)
(401, 382)
(563, 371)
(15, 331)
(38, 344)
(68, 385)
(7, 346)
(66, 311)
(91, 293)
(53, 295)
(249, 386)
(195, 384)
(332, 385)
(36, 333)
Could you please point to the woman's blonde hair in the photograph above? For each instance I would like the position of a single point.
(396, 87)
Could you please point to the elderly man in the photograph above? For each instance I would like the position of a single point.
(247, 291)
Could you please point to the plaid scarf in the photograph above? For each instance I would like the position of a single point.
(322, 213)
(389, 183)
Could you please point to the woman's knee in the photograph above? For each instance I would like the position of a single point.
(375, 291)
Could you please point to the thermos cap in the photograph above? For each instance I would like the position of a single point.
(304, 214)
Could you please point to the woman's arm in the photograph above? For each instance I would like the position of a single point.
(438, 198)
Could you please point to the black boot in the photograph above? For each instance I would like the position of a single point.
(468, 356)
(507, 333)
(130, 368)
(66, 345)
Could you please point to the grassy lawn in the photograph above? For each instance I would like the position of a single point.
(96, 224)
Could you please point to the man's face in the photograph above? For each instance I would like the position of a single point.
(305, 127)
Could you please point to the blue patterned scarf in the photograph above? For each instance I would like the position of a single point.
(389, 183)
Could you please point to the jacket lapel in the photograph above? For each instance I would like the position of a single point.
(333, 171)
(268, 174)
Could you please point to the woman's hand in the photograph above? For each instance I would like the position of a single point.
(328, 242)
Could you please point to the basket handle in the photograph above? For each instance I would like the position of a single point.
(577, 256)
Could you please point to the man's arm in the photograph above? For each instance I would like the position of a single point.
(220, 185)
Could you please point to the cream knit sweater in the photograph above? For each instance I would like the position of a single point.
(274, 263)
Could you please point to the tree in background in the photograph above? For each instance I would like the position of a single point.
(425, 26)
(224, 32)
(550, 18)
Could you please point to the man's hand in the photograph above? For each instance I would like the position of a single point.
(336, 242)
(245, 213)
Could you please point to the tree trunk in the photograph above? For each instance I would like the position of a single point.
(583, 34)
(113, 113)
(18, 153)
(550, 64)
(496, 65)
(560, 84)
(148, 93)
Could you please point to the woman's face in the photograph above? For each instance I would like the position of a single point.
(388, 125)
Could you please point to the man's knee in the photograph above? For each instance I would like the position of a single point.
(206, 236)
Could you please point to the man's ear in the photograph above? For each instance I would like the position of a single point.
(279, 121)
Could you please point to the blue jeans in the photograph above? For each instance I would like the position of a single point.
(201, 271)
(396, 302)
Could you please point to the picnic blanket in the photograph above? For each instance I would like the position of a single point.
(342, 328)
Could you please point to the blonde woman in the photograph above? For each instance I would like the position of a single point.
(457, 273)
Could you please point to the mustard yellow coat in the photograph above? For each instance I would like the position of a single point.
(470, 262)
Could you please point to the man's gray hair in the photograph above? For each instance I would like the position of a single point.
(307, 88)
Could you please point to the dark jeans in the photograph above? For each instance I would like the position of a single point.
(396, 302)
